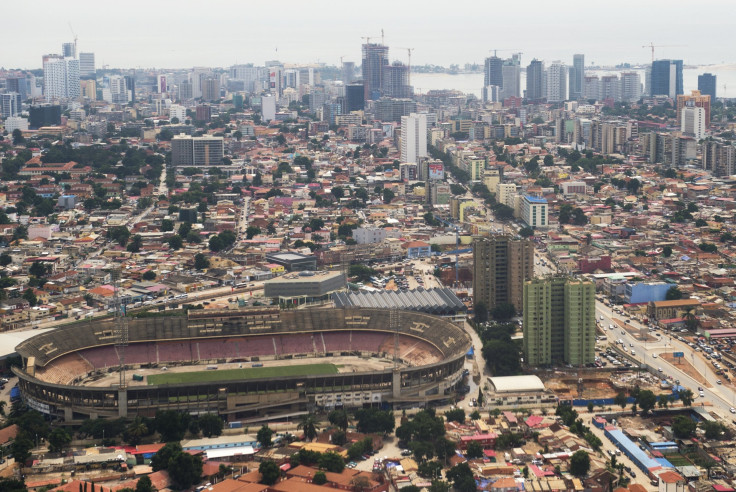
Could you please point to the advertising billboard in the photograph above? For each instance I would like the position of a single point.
(436, 171)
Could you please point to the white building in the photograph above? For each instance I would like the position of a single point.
(369, 235)
(692, 121)
(504, 191)
(556, 82)
(534, 211)
(179, 112)
(16, 123)
(268, 108)
(630, 87)
(9, 104)
(413, 137)
(60, 77)
(118, 90)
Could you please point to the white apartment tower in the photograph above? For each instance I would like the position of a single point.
(268, 107)
(60, 77)
(693, 122)
(556, 82)
(87, 65)
(413, 137)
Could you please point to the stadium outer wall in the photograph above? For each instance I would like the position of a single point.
(251, 398)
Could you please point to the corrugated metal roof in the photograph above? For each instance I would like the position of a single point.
(433, 301)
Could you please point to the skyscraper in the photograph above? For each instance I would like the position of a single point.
(666, 78)
(493, 74)
(87, 65)
(348, 72)
(9, 104)
(556, 82)
(396, 80)
(375, 58)
(69, 50)
(413, 137)
(60, 77)
(354, 97)
(130, 85)
(534, 75)
(501, 265)
(211, 89)
(695, 99)
(577, 76)
(196, 151)
(707, 85)
(559, 321)
(511, 75)
(630, 87)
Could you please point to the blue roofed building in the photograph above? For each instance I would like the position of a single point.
(535, 211)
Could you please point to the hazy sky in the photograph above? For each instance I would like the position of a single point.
(184, 33)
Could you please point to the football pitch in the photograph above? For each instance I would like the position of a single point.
(206, 376)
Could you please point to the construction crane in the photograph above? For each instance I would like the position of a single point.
(652, 46)
(75, 38)
(409, 50)
(495, 51)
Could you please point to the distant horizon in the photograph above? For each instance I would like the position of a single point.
(159, 35)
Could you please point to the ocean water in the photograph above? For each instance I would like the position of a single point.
(472, 83)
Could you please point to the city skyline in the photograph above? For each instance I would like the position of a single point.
(433, 34)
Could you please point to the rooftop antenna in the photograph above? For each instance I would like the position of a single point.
(120, 325)
(382, 36)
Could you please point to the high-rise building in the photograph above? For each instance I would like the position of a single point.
(348, 72)
(69, 50)
(535, 211)
(19, 85)
(179, 112)
(396, 80)
(559, 321)
(188, 151)
(390, 109)
(130, 85)
(695, 99)
(534, 76)
(203, 112)
(692, 122)
(413, 137)
(375, 59)
(44, 115)
(666, 78)
(501, 265)
(493, 73)
(511, 75)
(577, 76)
(9, 104)
(87, 65)
(354, 97)
(60, 77)
(610, 88)
(719, 158)
(707, 85)
(630, 87)
(268, 108)
(185, 90)
(116, 91)
(556, 82)
(211, 89)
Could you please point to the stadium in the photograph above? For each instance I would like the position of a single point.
(245, 365)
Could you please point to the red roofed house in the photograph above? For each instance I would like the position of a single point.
(670, 481)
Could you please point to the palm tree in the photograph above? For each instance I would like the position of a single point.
(691, 321)
(308, 424)
(2, 407)
(136, 430)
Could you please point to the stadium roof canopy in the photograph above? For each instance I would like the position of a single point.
(517, 384)
(430, 301)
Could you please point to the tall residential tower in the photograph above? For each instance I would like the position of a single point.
(501, 265)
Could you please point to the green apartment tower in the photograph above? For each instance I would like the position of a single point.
(501, 265)
(559, 321)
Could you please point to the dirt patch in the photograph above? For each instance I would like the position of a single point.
(598, 384)
(684, 365)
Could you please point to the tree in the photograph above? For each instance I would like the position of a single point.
(502, 357)
(683, 426)
(38, 269)
(621, 399)
(264, 436)
(215, 244)
(252, 231)
(160, 460)
(135, 431)
(430, 469)
(339, 418)
(135, 244)
(713, 429)
(144, 484)
(119, 234)
(185, 469)
(18, 137)
(21, 449)
(667, 251)
(456, 415)
(646, 401)
(201, 262)
(548, 160)
(373, 420)
(691, 321)
(462, 478)
(503, 311)
(331, 462)
(481, 312)
(439, 486)
(388, 195)
(58, 440)
(30, 296)
(673, 293)
(210, 424)
(474, 450)
(171, 424)
(149, 275)
(12, 484)
(167, 225)
(526, 232)
(176, 242)
(580, 463)
(5, 259)
(308, 423)
(319, 478)
(686, 397)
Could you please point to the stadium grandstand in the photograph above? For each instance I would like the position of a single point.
(440, 301)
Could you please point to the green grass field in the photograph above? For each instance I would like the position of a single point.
(205, 376)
